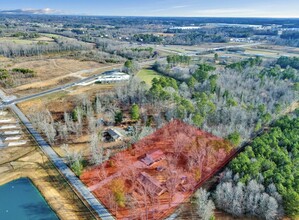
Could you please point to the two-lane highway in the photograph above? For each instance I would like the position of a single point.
(47, 92)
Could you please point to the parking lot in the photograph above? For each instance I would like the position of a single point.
(11, 134)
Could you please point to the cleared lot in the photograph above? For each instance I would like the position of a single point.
(51, 72)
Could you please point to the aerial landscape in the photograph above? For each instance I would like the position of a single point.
(149, 110)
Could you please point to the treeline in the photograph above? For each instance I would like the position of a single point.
(97, 56)
(117, 48)
(24, 71)
(288, 38)
(178, 59)
(284, 62)
(10, 49)
(26, 35)
(147, 38)
(251, 62)
(290, 64)
(196, 37)
(290, 35)
(271, 160)
(283, 74)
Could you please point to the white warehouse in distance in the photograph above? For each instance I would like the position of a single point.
(112, 76)
(108, 77)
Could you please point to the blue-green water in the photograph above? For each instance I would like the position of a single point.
(20, 200)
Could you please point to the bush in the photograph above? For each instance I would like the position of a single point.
(234, 138)
(118, 189)
(77, 167)
(135, 115)
(4, 74)
(26, 72)
(118, 118)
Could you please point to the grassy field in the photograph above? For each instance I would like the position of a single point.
(52, 35)
(55, 36)
(45, 38)
(15, 40)
(147, 75)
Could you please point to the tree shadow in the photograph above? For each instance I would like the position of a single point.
(39, 211)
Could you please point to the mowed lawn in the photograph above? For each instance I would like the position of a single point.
(147, 75)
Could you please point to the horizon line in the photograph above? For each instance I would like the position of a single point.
(2, 12)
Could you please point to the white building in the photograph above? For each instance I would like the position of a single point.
(112, 76)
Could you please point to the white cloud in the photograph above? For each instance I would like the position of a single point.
(32, 11)
(180, 6)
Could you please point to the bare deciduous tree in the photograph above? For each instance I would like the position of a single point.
(96, 149)
(204, 205)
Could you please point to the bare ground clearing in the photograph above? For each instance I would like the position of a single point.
(54, 72)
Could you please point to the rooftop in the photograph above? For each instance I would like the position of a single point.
(151, 183)
(153, 157)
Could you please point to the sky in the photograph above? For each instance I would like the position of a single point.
(179, 8)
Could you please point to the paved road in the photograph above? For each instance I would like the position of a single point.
(232, 46)
(212, 49)
(60, 88)
(7, 102)
(61, 166)
(168, 49)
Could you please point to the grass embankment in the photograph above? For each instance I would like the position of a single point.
(33, 164)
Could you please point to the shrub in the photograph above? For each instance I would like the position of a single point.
(118, 189)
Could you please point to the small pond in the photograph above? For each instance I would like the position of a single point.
(21, 200)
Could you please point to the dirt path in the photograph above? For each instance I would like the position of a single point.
(55, 64)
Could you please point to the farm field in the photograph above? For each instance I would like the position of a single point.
(159, 172)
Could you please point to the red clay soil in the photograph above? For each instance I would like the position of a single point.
(154, 184)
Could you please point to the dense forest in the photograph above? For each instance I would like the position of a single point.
(288, 61)
(263, 181)
(242, 97)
